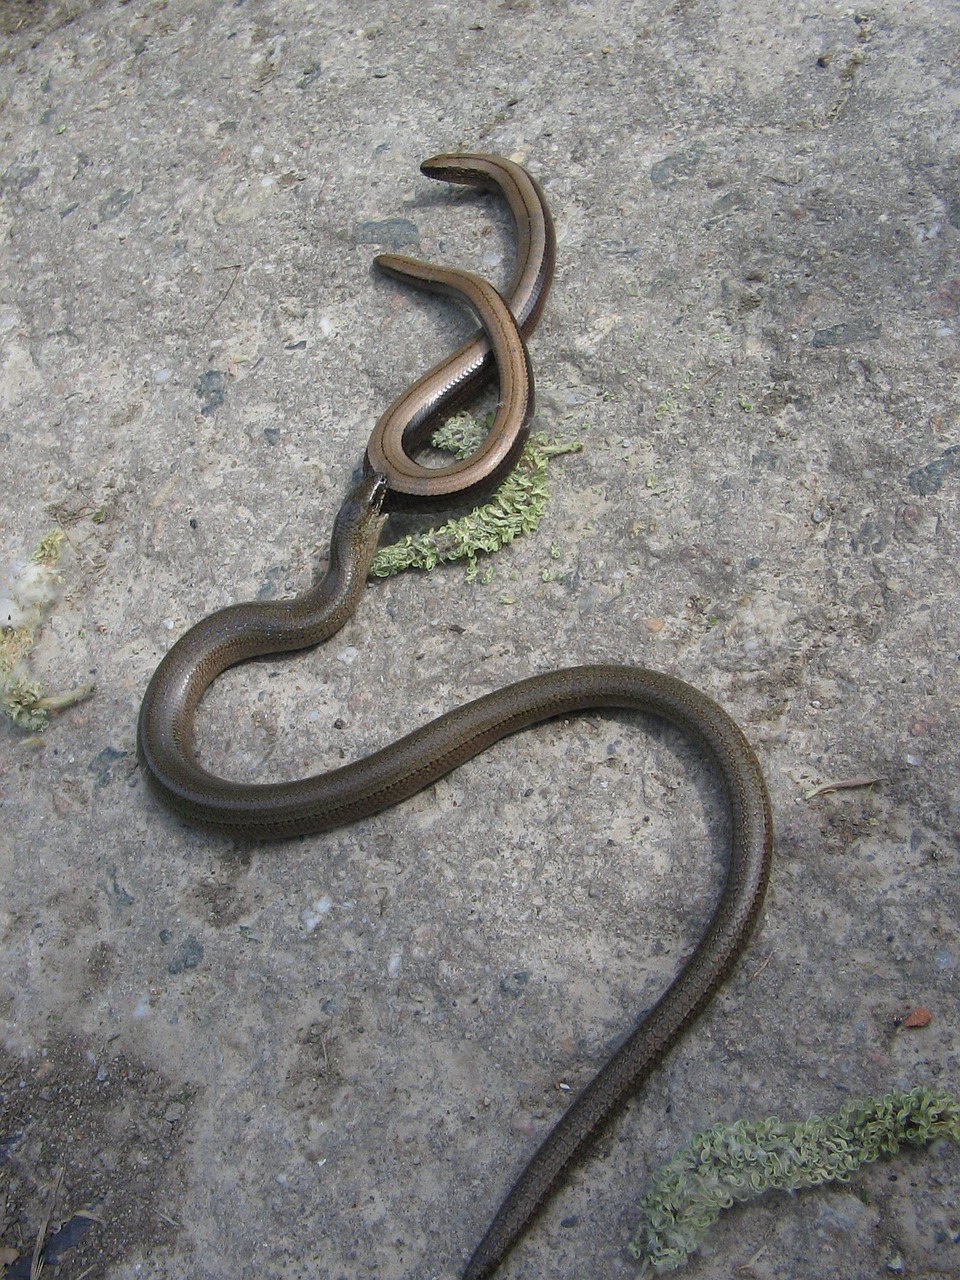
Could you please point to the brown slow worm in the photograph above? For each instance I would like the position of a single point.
(463, 480)
(406, 425)
(390, 775)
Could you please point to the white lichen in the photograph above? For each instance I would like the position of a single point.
(29, 591)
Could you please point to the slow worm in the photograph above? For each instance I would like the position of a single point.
(406, 425)
(277, 810)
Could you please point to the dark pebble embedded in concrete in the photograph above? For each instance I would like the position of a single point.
(211, 389)
(188, 956)
(928, 479)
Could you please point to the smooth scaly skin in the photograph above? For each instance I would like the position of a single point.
(244, 631)
(464, 480)
(726, 936)
(407, 424)
(271, 811)
(277, 810)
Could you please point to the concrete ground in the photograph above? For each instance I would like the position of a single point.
(329, 1059)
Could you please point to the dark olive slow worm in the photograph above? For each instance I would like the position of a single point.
(243, 631)
(277, 810)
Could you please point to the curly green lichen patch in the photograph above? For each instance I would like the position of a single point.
(515, 508)
(24, 599)
(730, 1163)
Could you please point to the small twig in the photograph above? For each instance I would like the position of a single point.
(236, 268)
(36, 1262)
(746, 1268)
(709, 378)
(842, 784)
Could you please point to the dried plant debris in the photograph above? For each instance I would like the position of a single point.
(90, 1161)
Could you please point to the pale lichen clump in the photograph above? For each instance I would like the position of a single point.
(741, 1161)
(26, 596)
(514, 509)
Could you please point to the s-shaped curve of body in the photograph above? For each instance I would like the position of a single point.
(390, 775)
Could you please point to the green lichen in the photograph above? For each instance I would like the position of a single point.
(730, 1163)
(514, 509)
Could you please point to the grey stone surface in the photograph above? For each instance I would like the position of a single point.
(320, 1059)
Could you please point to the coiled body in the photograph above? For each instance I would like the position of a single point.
(406, 425)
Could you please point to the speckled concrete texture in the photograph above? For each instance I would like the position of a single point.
(329, 1059)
